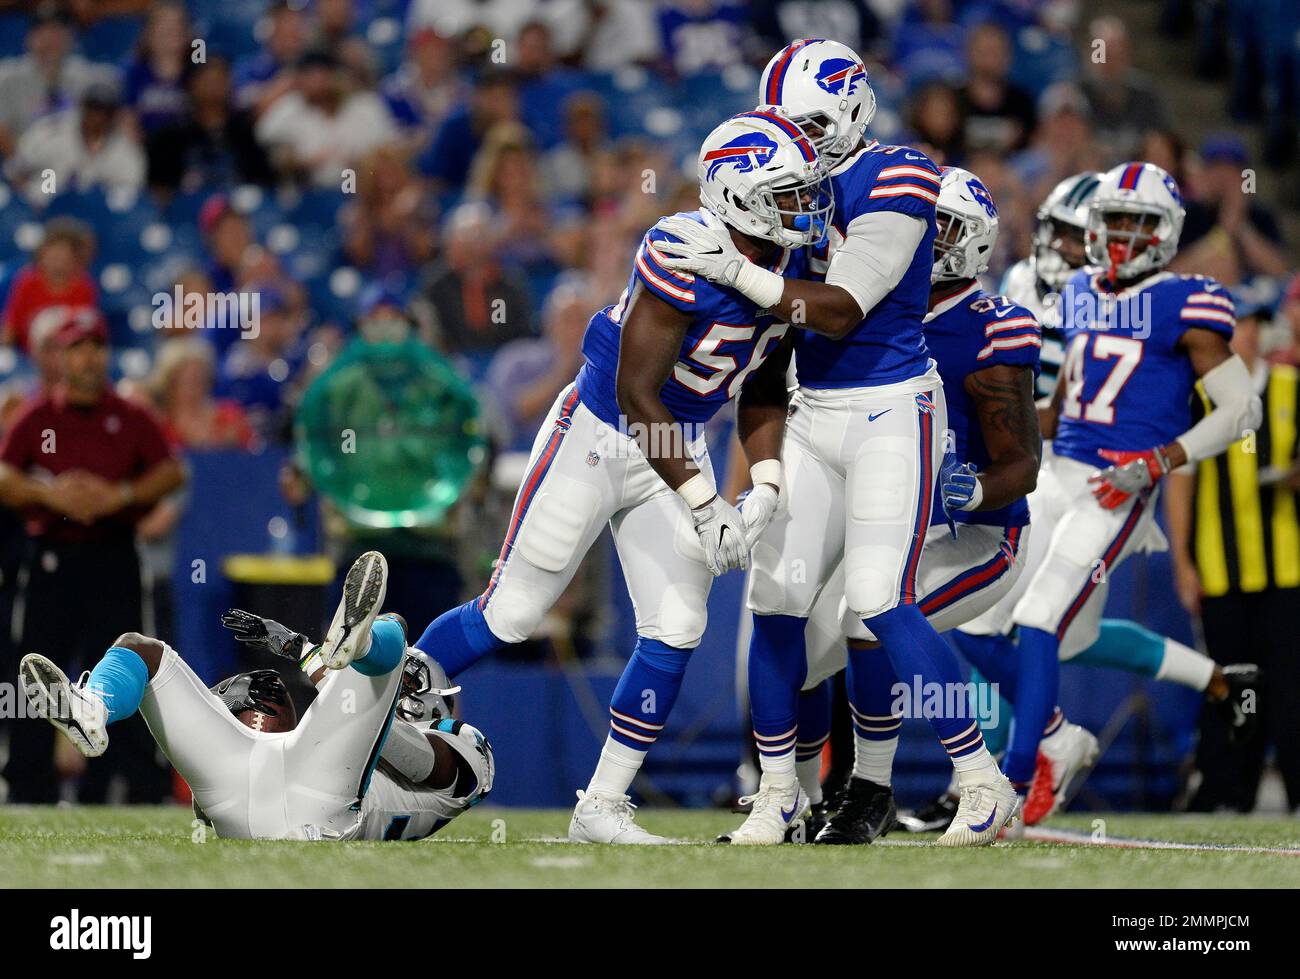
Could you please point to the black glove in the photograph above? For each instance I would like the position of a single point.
(265, 634)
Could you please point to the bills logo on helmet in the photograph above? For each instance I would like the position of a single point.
(839, 75)
(981, 194)
(746, 153)
(1171, 185)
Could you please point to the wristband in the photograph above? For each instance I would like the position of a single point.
(761, 286)
(697, 491)
(766, 471)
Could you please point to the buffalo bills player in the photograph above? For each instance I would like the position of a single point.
(1137, 339)
(626, 447)
(987, 351)
(863, 438)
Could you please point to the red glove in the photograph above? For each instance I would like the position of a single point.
(1130, 472)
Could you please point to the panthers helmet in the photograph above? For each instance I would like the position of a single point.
(1143, 191)
(1063, 212)
(426, 695)
(752, 159)
(823, 86)
(963, 247)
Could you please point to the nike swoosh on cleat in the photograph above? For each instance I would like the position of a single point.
(986, 824)
(787, 816)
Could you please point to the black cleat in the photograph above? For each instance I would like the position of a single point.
(1241, 707)
(866, 811)
(936, 817)
(806, 832)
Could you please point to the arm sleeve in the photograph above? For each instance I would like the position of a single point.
(878, 249)
(1236, 408)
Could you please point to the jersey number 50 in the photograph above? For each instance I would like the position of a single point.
(1126, 354)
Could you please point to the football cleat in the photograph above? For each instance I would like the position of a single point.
(79, 713)
(601, 818)
(1064, 759)
(774, 810)
(364, 588)
(866, 811)
(936, 816)
(984, 809)
(806, 832)
(1239, 708)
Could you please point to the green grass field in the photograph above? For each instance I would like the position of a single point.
(145, 847)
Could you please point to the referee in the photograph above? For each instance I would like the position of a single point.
(81, 466)
(1236, 551)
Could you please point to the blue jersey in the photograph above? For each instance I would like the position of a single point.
(888, 345)
(1128, 382)
(726, 341)
(967, 333)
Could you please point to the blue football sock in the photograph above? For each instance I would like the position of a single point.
(459, 638)
(871, 681)
(646, 693)
(778, 666)
(1126, 646)
(996, 728)
(994, 656)
(919, 654)
(816, 707)
(120, 677)
(1036, 697)
(387, 644)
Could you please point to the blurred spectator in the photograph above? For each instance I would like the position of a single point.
(212, 145)
(335, 25)
(86, 146)
(46, 79)
(999, 115)
(82, 493)
(1062, 144)
(605, 35)
(938, 128)
(1166, 149)
(56, 279)
(1227, 233)
(388, 229)
(566, 168)
(527, 375)
(262, 76)
(505, 176)
(447, 160)
(543, 84)
(425, 88)
(257, 370)
(851, 22)
(1124, 102)
(320, 128)
(181, 387)
(703, 35)
(1289, 349)
(450, 18)
(154, 83)
(477, 305)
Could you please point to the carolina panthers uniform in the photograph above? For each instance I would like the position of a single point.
(863, 440)
(1128, 387)
(587, 468)
(960, 577)
(1022, 285)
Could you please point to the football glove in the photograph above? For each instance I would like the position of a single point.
(709, 252)
(265, 634)
(757, 507)
(959, 487)
(722, 535)
(1129, 473)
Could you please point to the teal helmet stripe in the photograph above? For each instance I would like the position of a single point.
(1082, 190)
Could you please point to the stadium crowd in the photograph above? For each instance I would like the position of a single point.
(485, 167)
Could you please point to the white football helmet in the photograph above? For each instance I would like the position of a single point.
(426, 694)
(821, 84)
(963, 248)
(751, 160)
(1146, 192)
(1063, 212)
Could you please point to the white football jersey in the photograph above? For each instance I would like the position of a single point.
(1022, 286)
(394, 808)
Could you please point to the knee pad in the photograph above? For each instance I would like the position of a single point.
(514, 612)
(556, 523)
(871, 579)
(681, 618)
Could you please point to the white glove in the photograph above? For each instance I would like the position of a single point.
(710, 252)
(757, 508)
(722, 535)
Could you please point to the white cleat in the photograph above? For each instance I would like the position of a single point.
(364, 588)
(985, 808)
(601, 818)
(777, 809)
(1064, 760)
(79, 713)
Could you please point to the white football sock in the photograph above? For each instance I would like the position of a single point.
(779, 770)
(810, 777)
(874, 760)
(1185, 666)
(616, 769)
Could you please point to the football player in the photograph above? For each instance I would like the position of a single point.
(1137, 339)
(986, 348)
(862, 443)
(377, 756)
(625, 447)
